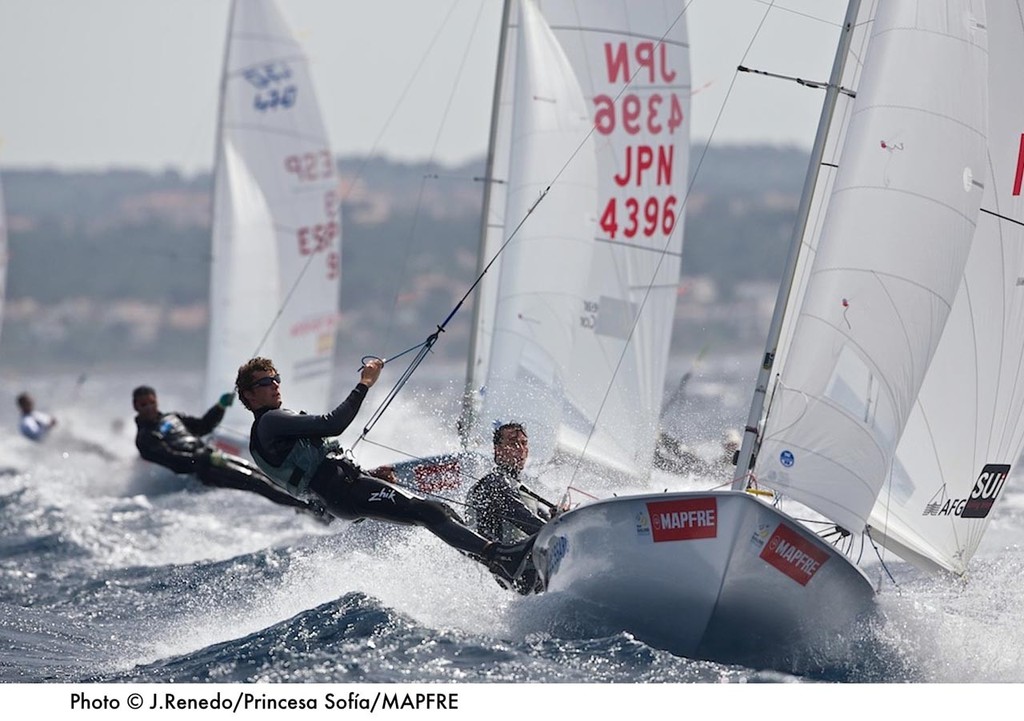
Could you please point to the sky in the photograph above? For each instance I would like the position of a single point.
(96, 84)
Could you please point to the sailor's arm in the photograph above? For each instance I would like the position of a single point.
(205, 425)
(154, 450)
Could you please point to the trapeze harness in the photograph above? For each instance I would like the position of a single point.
(317, 466)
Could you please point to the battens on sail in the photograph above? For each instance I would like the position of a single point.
(966, 430)
(895, 238)
(630, 60)
(276, 229)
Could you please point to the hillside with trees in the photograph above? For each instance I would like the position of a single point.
(106, 266)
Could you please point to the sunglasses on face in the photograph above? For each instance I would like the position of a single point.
(268, 381)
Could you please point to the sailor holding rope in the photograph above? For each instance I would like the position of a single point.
(298, 452)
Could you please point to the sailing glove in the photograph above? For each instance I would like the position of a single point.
(226, 400)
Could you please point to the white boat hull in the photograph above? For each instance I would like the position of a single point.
(718, 575)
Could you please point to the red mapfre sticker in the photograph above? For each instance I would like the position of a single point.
(794, 556)
(682, 520)
(442, 476)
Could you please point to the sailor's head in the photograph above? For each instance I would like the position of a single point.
(25, 402)
(511, 446)
(258, 384)
(144, 403)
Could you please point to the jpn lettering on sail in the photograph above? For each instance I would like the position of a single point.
(895, 239)
(968, 420)
(276, 260)
(553, 364)
(633, 63)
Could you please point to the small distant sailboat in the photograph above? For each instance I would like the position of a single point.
(888, 402)
(274, 279)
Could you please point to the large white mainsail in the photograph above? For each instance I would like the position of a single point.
(276, 265)
(630, 60)
(866, 353)
(893, 245)
(542, 276)
(966, 429)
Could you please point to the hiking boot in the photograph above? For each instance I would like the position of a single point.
(508, 562)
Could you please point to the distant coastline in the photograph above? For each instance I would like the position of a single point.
(113, 266)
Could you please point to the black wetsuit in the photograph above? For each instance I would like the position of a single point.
(503, 509)
(280, 435)
(173, 441)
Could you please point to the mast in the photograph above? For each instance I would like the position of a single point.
(750, 431)
(466, 419)
(217, 148)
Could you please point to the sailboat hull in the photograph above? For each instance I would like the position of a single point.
(717, 575)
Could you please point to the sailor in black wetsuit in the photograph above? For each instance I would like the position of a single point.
(291, 449)
(173, 440)
(502, 507)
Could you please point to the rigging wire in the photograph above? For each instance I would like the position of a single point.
(433, 152)
(429, 342)
(881, 560)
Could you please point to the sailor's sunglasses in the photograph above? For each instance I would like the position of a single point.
(264, 382)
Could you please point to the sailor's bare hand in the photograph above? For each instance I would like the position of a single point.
(370, 371)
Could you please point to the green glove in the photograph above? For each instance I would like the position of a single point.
(226, 400)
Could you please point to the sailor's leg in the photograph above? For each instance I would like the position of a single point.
(368, 497)
(242, 480)
(364, 496)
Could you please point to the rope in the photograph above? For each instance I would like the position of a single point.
(881, 560)
(424, 348)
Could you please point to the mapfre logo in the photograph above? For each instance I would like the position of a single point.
(434, 477)
(986, 490)
(683, 520)
(796, 557)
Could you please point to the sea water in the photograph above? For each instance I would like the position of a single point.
(114, 571)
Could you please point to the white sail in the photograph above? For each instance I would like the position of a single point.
(542, 273)
(630, 60)
(634, 59)
(276, 266)
(966, 430)
(825, 175)
(893, 245)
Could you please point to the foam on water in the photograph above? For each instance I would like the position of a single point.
(112, 568)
